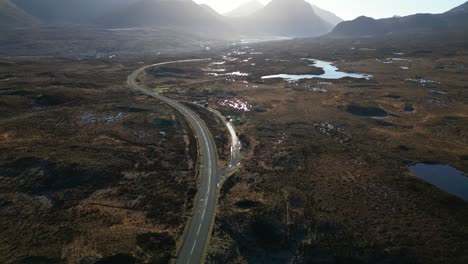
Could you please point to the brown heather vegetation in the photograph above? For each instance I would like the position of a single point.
(90, 172)
(322, 181)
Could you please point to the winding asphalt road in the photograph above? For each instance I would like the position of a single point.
(205, 205)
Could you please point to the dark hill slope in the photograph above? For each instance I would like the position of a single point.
(12, 16)
(288, 18)
(176, 14)
(71, 11)
(455, 19)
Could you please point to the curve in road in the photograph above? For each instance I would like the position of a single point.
(204, 209)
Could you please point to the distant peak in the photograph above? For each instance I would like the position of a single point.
(460, 8)
(364, 18)
(288, 1)
(245, 9)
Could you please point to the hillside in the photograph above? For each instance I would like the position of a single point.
(328, 16)
(287, 18)
(455, 19)
(460, 8)
(245, 9)
(71, 11)
(212, 11)
(12, 16)
(176, 14)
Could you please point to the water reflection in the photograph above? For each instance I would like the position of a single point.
(444, 177)
(330, 72)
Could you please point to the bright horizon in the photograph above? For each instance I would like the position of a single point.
(348, 10)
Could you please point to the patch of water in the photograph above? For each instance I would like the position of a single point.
(330, 72)
(237, 73)
(437, 102)
(438, 92)
(213, 70)
(366, 111)
(443, 177)
(163, 122)
(408, 108)
(8, 79)
(422, 81)
(93, 118)
(317, 90)
(236, 52)
(397, 59)
(237, 104)
(230, 59)
(218, 63)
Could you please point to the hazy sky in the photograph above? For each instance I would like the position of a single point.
(350, 9)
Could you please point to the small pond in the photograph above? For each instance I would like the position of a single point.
(330, 72)
(444, 177)
(163, 122)
(366, 111)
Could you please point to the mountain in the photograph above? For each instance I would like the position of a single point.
(12, 16)
(287, 18)
(455, 19)
(253, 6)
(460, 8)
(175, 14)
(212, 11)
(184, 14)
(328, 16)
(71, 11)
(245, 9)
(366, 26)
(361, 26)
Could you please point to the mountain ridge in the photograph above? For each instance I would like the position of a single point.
(328, 16)
(13, 16)
(65, 12)
(287, 18)
(245, 9)
(454, 19)
(178, 14)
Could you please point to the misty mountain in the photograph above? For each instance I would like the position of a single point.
(212, 11)
(361, 26)
(12, 16)
(251, 7)
(176, 14)
(461, 8)
(328, 16)
(366, 26)
(245, 9)
(293, 18)
(287, 18)
(71, 11)
(454, 19)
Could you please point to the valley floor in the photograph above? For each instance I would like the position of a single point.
(324, 176)
(92, 171)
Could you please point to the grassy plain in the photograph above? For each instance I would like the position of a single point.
(324, 175)
(90, 172)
